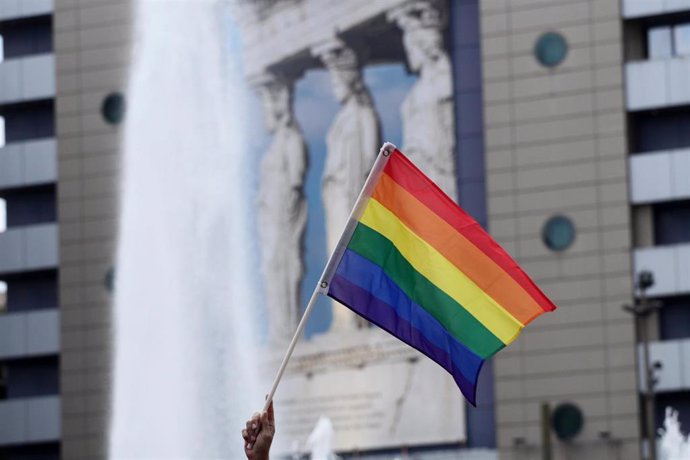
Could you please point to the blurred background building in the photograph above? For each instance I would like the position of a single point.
(572, 134)
(64, 67)
(29, 246)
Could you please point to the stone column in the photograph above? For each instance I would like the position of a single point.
(353, 142)
(282, 208)
(427, 111)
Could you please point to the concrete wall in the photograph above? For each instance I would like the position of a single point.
(92, 42)
(556, 144)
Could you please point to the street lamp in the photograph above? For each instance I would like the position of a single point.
(642, 309)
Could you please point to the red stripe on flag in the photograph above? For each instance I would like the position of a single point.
(408, 176)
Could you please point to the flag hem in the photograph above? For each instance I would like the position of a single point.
(386, 152)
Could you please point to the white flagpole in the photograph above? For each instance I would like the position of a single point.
(333, 260)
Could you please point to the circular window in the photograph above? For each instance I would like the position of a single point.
(109, 279)
(558, 233)
(113, 108)
(550, 49)
(567, 421)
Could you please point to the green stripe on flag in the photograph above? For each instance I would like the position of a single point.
(459, 322)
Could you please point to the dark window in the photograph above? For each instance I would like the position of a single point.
(32, 377)
(28, 206)
(659, 130)
(672, 222)
(674, 318)
(29, 36)
(32, 291)
(3, 381)
(28, 121)
(43, 451)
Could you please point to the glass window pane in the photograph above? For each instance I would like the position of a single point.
(682, 39)
(659, 42)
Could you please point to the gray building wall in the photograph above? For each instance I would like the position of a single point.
(92, 53)
(556, 145)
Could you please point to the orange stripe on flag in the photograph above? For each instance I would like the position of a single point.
(461, 252)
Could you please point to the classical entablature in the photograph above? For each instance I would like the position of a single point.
(280, 34)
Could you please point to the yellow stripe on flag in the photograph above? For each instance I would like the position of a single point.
(441, 272)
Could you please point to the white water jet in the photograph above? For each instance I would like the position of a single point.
(673, 445)
(320, 441)
(184, 378)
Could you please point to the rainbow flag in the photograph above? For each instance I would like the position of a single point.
(414, 263)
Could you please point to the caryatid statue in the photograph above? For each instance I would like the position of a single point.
(427, 111)
(282, 208)
(353, 142)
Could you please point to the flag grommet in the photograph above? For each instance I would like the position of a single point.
(324, 284)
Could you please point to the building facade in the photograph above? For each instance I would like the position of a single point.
(29, 314)
(556, 156)
(62, 73)
(92, 54)
(657, 54)
(571, 129)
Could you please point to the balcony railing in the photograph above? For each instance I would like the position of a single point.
(31, 333)
(670, 265)
(27, 78)
(30, 420)
(640, 8)
(28, 163)
(673, 371)
(15, 9)
(660, 176)
(657, 83)
(34, 247)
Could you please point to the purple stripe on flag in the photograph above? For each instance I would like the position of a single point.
(393, 311)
